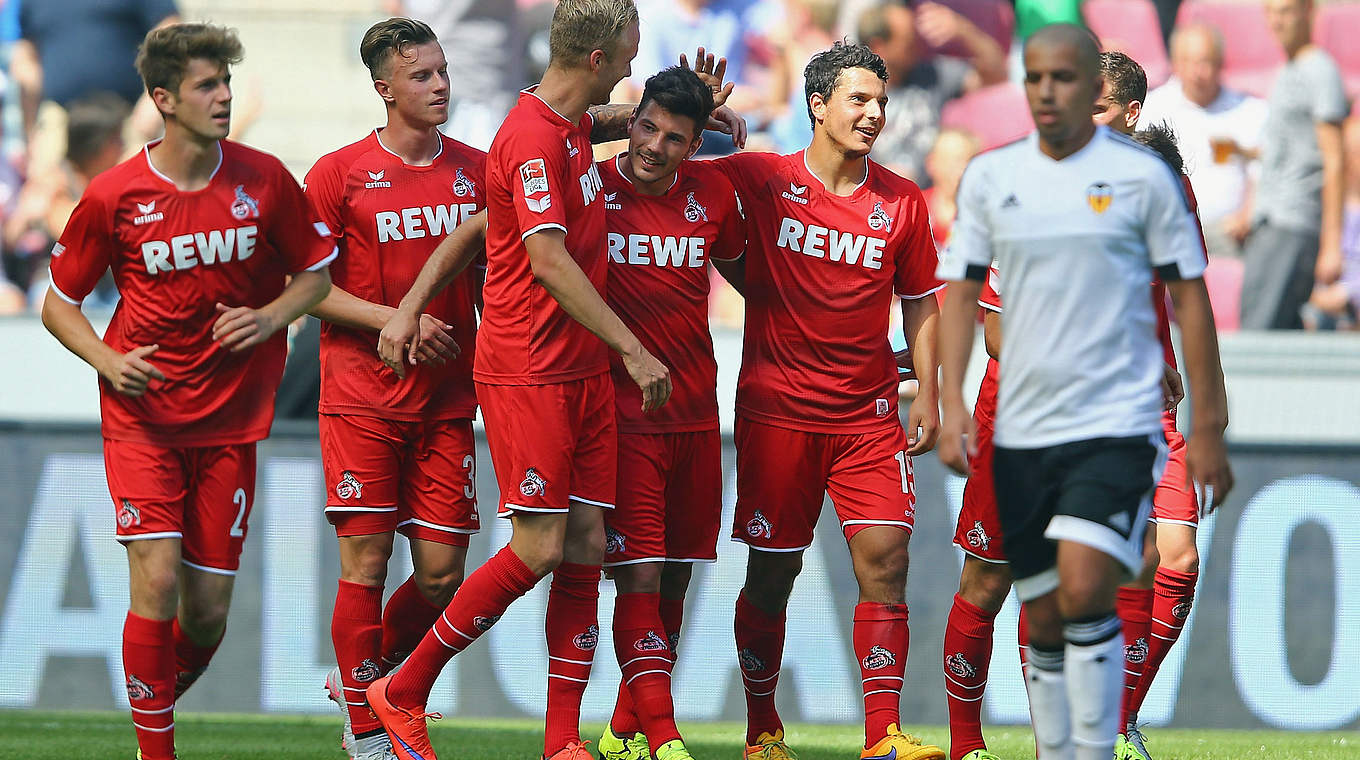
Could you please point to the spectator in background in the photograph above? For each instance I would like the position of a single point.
(94, 142)
(71, 48)
(1336, 306)
(945, 163)
(484, 44)
(1296, 234)
(919, 84)
(1216, 127)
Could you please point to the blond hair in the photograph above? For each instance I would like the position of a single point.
(580, 27)
(164, 55)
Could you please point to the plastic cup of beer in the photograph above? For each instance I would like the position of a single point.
(1224, 149)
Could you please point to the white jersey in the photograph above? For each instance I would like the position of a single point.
(1077, 243)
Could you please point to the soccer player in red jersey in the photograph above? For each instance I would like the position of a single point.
(202, 235)
(832, 235)
(667, 217)
(542, 380)
(397, 451)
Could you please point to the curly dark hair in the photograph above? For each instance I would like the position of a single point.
(1128, 81)
(1162, 138)
(681, 92)
(824, 70)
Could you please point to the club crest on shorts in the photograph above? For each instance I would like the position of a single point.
(959, 665)
(759, 526)
(652, 642)
(613, 541)
(244, 207)
(462, 186)
(483, 623)
(749, 662)
(879, 219)
(1099, 196)
(1137, 651)
(533, 483)
(878, 658)
(694, 211)
(1181, 611)
(349, 487)
(366, 672)
(587, 640)
(129, 515)
(978, 538)
(139, 690)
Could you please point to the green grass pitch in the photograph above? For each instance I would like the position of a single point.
(46, 735)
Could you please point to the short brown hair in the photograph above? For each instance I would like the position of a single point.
(580, 27)
(392, 36)
(165, 53)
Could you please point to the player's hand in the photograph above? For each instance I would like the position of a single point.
(1173, 390)
(651, 376)
(1328, 267)
(728, 122)
(240, 327)
(401, 331)
(436, 345)
(923, 425)
(1206, 457)
(958, 440)
(938, 24)
(711, 73)
(132, 373)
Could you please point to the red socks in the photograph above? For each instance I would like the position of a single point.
(882, 639)
(1022, 637)
(405, 619)
(356, 629)
(1134, 606)
(190, 658)
(1173, 596)
(573, 633)
(760, 650)
(625, 721)
(149, 666)
(479, 603)
(967, 656)
(644, 655)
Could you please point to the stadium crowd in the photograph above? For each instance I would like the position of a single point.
(70, 111)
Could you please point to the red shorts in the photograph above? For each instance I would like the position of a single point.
(552, 444)
(979, 528)
(670, 500)
(1175, 501)
(782, 474)
(387, 475)
(201, 495)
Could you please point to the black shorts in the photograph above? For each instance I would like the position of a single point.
(1096, 492)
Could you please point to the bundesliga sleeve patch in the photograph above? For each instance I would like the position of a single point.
(534, 175)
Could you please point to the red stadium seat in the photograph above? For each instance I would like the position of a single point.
(994, 17)
(997, 114)
(1251, 56)
(1335, 27)
(1130, 27)
(1223, 278)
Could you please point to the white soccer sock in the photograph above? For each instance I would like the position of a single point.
(1095, 684)
(1048, 708)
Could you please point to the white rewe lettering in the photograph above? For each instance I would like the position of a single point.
(644, 250)
(215, 246)
(590, 184)
(410, 223)
(830, 243)
(616, 248)
(188, 251)
(387, 226)
(440, 219)
(413, 223)
(669, 251)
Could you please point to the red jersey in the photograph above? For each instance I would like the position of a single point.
(989, 299)
(174, 256)
(820, 274)
(540, 175)
(1159, 303)
(659, 247)
(388, 217)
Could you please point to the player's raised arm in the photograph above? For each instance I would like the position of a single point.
(402, 337)
(558, 273)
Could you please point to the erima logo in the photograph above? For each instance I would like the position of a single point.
(572, 150)
(795, 193)
(147, 213)
(375, 179)
(188, 251)
(645, 250)
(610, 204)
(831, 244)
(978, 538)
(349, 487)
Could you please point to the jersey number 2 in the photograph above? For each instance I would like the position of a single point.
(239, 499)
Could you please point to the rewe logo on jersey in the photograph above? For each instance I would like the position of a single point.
(147, 213)
(590, 184)
(831, 244)
(645, 250)
(375, 179)
(421, 221)
(796, 193)
(206, 248)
